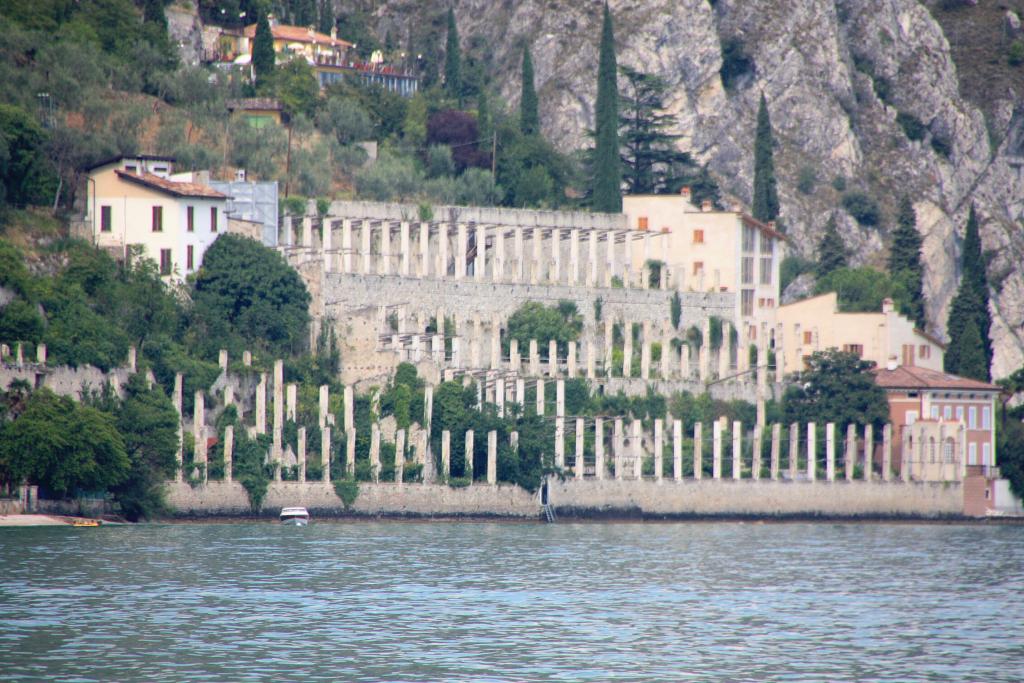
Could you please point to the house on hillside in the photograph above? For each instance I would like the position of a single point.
(138, 201)
(816, 324)
(256, 111)
(710, 250)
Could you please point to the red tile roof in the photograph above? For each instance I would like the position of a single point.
(170, 186)
(905, 377)
(299, 34)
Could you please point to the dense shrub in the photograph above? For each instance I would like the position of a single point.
(862, 207)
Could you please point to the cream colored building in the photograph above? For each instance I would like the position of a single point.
(816, 324)
(709, 250)
(137, 201)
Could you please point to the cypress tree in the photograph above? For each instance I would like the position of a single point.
(326, 16)
(453, 61)
(974, 270)
(153, 12)
(905, 260)
(529, 119)
(766, 197)
(263, 48)
(607, 183)
(483, 115)
(969, 309)
(972, 356)
(831, 250)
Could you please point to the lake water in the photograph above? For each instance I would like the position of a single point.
(513, 602)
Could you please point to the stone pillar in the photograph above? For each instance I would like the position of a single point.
(229, 450)
(636, 446)
(869, 448)
(599, 447)
(480, 264)
(307, 232)
(446, 454)
(570, 361)
(617, 446)
(350, 453)
(574, 257)
(247, 358)
(291, 399)
(495, 343)
(275, 453)
(519, 253)
(513, 355)
(609, 268)
(540, 397)
(609, 336)
(592, 259)
(560, 398)
(555, 275)
(229, 395)
(346, 245)
(403, 237)
(666, 355)
(560, 443)
(659, 448)
(399, 456)
(762, 381)
(716, 446)
(887, 451)
(677, 450)
(580, 440)
(366, 246)
(384, 266)
(537, 262)
(756, 461)
(684, 361)
(521, 393)
(20, 357)
(552, 358)
(830, 451)
(534, 358)
(456, 361)
(737, 450)
(222, 360)
(591, 361)
(645, 351)
(725, 351)
(474, 345)
(300, 456)
(499, 395)
(375, 452)
(698, 449)
(261, 404)
(627, 349)
(492, 458)
(851, 450)
(776, 453)
(176, 398)
(424, 266)
(705, 351)
(325, 454)
(498, 265)
(324, 406)
(350, 408)
(460, 251)
(199, 431)
(469, 456)
(442, 250)
(794, 449)
(812, 450)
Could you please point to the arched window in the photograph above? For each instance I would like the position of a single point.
(947, 449)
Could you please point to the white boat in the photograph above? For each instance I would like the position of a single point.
(295, 516)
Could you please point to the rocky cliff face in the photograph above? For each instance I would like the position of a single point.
(836, 75)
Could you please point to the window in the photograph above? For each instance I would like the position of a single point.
(972, 418)
(947, 412)
(972, 454)
(213, 219)
(641, 223)
(935, 412)
(960, 413)
(747, 302)
(131, 169)
(189, 254)
(165, 261)
(698, 237)
(908, 354)
(924, 352)
(698, 267)
(808, 337)
(766, 269)
(158, 219)
(856, 349)
(190, 218)
(747, 270)
(986, 418)
(947, 450)
(911, 417)
(749, 239)
(986, 454)
(106, 219)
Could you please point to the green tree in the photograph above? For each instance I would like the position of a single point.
(263, 56)
(247, 291)
(905, 259)
(649, 156)
(607, 171)
(971, 302)
(25, 174)
(19, 321)
(529, 119)
(453, 61)
(343, 118)
(295, 85)
(862, 290)
(836, 387)
(533, 320)
(766, 198)
(484, 122)
(326, 22)
(831, 250)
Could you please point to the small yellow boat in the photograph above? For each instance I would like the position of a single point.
(85, 522)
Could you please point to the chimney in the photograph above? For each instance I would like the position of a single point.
(705, 205)
(685, 192)
(771, 225)
(887, 305)
(891, 364)
(272, 20)
(334, 33)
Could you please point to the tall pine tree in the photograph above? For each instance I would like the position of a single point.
(484, 125)
(607, 181)
(968, 310)
(326, 16)
(766, 197)
(529, 119)
(905, 260)
(453, 61)
(263, 48)
(831, 250)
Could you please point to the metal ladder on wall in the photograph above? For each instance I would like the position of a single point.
(549, 513)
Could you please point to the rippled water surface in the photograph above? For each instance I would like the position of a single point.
(513, 602)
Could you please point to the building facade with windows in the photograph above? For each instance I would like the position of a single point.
(710, 250)
(137, 201)
(816, 324)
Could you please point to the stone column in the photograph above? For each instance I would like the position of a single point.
(474, 344)
(794, 449)
(570, 361)
(469, 456)
(776, 453)
(617, 446)
(350, 407)
(627, 349)
(609, 268)
(325, 454)
(592, 260)
(176, 397)
(762, 381)
(41, 354)
(492, 458)
(350, 452)
(513, 355)
(677, 450)
(261, 404)
(645, 351)
(830, 451)
(20, 358)
(659, 448)
(480, 264)
(534, 358)
(591, 361)
(229, 395)
(424, 266)
(636, 446)
(555, 272)
(574, 257)
(456, 361)
(307, 232)
(519, 253)
(599, 448)
(327, 245)
(278, 417)
(247, 358)
(399, 456)
(609, 331)
(446, 454)
(540, 397)
(579, 448)
(705, 351)
(812, 450)
(887, 451)
(291, 399)
(384, 266)
(684, 361)
(346, 245)
(536, 270)
(498, 265)
(725, 351)
(442, 250)
(666, 355)
(716, 446)
(199, 431)
(495, 343)
(698, 449)
(324, 405)
(560, 398)
(366, 246)
(521, 393)
(851, 450)
(737, 450)
(499, 395)
(869, 448)
(229, 450)
(553, 358)
(756, 463)
(222, 360)
(375, 452)
(300, 456)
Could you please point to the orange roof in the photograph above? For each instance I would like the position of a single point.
(170, 186)
(763, 227)
(299, 34)
(905, 377)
